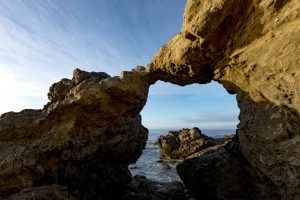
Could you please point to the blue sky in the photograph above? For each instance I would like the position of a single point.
(42, 41)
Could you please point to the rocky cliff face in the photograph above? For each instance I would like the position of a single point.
(83, 139)
(252, 49)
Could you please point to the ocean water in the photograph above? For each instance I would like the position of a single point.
(151, 165)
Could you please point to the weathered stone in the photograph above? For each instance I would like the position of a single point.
(84, 138)
(215, 176)
(190, 56)
(220, 142)
(90, 131)
(252, 49)
(188, 143)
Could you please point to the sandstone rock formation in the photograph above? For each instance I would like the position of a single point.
(252, 49)
(188, 143)
(82, 141)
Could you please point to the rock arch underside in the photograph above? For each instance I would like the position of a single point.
(81, 143)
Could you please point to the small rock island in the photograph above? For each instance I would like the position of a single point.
(189, 143)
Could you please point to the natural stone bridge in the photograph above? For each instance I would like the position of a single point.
(81, 143)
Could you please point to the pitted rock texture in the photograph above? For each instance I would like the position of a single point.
(190, 56)
(252, 48)
(84, 138)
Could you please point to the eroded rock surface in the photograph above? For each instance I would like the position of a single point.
(84, 138)
(225, 174)
(91, 129)
(188, 143)
(252, 48)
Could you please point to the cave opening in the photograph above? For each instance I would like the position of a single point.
(171, 107)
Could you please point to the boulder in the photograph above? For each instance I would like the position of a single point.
(215, 176)
(140, 188)
(83, 139)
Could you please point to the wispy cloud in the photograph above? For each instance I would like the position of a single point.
(48, 36)
(43, 41)
(211, 118)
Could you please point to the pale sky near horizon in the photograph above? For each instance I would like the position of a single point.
(42, 41)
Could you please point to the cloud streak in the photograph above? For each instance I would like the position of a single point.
(209, 118)
(43, 41)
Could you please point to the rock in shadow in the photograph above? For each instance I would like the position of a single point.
(143, 189)
(224, 174)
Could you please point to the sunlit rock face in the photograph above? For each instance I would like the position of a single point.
(189, 143)
(183, 143)
(252, 48)
(83, 139)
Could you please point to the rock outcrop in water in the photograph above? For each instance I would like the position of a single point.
(252, 49)
(82, 141)
(188, 143)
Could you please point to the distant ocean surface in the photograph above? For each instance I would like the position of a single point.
(150, 165)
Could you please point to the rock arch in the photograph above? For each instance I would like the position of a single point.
(251, 47)
(92, 127)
